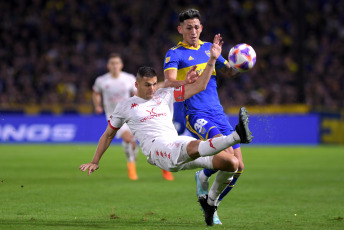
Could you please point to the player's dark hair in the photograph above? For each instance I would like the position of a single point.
(146, 71)
(189, 14)
(114, 55)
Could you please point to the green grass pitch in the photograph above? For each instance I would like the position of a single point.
(281, 188)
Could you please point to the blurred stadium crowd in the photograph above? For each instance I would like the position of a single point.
(52, 51)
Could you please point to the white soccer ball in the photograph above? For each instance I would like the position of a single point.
(242, 57)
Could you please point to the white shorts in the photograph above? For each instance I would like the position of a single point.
(120, 132)
(171, 155)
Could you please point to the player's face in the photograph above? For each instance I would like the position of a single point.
(191, 30)
(115, 65)
(146, 87)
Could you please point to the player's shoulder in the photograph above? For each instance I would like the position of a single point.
(163, 92)
(103, 76)
(176, 47)
(128, 77)
(122, 105)
(205, 43)
(126, 74)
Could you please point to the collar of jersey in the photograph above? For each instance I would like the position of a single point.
(191, 47)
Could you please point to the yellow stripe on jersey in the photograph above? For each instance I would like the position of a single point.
(182, 72)
(194, 131)
(170, 68)
(189, 47)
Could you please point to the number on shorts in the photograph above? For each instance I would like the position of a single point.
(198, 126)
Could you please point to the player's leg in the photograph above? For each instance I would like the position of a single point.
(187, 153)
(238, 155)
(227, 164)
(167, 175)
(202, 127)
(202, 176)
(173, 155)
(130, 149)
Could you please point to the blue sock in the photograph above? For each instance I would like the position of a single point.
(209, 172)
(230, 185)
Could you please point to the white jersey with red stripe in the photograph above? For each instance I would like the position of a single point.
(148, 119)
(114, 90)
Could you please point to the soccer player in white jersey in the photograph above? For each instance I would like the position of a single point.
(109, 89)
(149, 116)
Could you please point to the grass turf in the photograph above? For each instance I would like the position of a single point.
(281, 188)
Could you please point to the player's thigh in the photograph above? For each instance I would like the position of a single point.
(201, 127)
(170, 153)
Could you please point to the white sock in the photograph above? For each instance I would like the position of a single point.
(204, 180)
(217, 144)
(222, 180)
(130, 151)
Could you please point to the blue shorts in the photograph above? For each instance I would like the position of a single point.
(203, 126)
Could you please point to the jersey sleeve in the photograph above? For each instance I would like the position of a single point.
(220, 62)
(179, 93)
(116, 119)
(171, 60)
(97, 86)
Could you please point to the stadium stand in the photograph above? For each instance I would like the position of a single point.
(51, 51)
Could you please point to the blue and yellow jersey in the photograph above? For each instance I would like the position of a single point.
(182, 57)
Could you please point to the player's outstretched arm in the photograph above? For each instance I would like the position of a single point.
(228, 71)
(104, 142)
(171, 79)
(202, 81)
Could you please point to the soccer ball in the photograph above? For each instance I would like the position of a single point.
(242, 57)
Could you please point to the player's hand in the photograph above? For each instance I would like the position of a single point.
(98, 109)
(216, 47)
(90, 166)
(191, 75)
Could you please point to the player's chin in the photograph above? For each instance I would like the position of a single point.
(193, 41)
(149, 96)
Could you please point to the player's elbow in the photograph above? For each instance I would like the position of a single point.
(202, 87)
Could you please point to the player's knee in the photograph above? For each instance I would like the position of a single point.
(225, 162)
(232, 164)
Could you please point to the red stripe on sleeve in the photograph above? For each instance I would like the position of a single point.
(111, 125)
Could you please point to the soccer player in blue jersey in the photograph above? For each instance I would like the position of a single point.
(204, 114)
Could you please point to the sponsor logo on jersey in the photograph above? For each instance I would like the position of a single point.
(133, 105)
(152, 115)
(191, 58)
(151, 111)
(207, 52)
(157, 99)
(167, 59)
